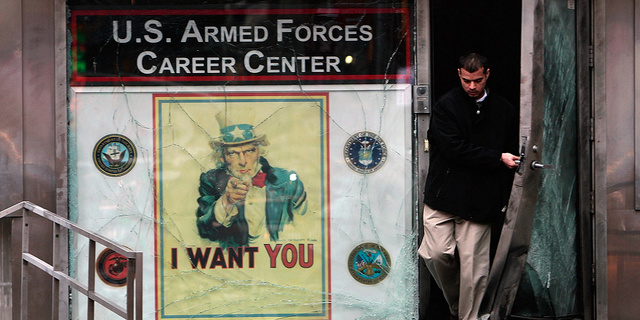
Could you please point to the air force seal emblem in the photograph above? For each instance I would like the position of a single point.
(369, 263)
(365, 152)
(114, 155)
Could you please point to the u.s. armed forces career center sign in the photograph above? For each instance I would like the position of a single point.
(241, 46)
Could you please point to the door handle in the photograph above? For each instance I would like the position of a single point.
(537, 165)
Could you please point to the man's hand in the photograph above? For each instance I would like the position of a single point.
(236, 191)
(509, 160)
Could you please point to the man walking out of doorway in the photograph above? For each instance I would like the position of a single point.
(473, 137)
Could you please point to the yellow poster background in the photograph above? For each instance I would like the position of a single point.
(296, 128)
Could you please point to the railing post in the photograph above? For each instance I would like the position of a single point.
(55, 299)
(91, 280)
(139, 288)
(24, 276)
(131, 271)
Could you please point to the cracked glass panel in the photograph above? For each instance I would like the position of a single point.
(258, 155)
(549, 285)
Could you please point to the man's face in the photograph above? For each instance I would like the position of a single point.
(242, 161)
(474, 83)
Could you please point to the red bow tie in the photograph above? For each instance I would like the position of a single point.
(258, 179)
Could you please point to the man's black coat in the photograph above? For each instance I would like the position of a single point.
(466, 176)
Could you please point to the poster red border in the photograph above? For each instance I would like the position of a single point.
(327, 175)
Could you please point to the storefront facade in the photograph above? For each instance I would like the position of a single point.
(135, 120)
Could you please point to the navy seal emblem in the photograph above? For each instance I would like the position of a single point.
(114, 155)
(112, 268)
(369, 263)
(365, 152)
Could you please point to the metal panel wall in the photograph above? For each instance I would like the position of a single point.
(11, 188)
(623, 222)
(32, 161)
(11, 120)
(39, 143)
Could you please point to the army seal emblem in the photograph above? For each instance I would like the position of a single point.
(369, 263)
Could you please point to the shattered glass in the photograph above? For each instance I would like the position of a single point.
(168, 134)
(549, 284)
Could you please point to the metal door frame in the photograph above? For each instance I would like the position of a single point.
(591, 196)
(421, 108)
(586, 207)
(597, 56)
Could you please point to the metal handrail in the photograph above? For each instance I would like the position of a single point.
(133, 308)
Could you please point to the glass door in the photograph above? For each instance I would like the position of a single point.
(535, 271)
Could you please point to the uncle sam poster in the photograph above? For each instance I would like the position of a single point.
(242, 205)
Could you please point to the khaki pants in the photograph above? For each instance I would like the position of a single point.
(456, 252)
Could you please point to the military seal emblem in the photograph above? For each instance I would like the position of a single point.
(114, 155)
(112, 268)
(365, 152)
(369, 263)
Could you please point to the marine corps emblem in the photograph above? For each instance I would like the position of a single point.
(114, 155)
(369, 263)
(112, 268)
(365, 152)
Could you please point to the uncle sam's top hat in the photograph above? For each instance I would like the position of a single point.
(232, 134)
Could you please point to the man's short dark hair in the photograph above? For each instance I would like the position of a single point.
(472, 62)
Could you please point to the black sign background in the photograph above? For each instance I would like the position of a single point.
(240, 46)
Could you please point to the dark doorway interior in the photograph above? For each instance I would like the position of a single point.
(457, 27)
(488, 27)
